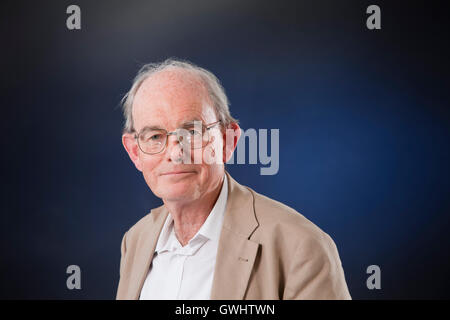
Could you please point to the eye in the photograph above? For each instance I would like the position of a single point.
(152, 137)
(155, 137)
(194, 132)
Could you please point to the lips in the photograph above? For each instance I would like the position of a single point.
(174, 173)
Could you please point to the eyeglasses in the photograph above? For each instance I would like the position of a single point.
(153, 141)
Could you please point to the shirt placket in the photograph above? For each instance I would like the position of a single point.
(180, 273)
(184, 253)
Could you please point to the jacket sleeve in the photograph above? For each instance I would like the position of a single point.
(316, 272)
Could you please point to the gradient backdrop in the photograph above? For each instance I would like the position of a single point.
(363, 115)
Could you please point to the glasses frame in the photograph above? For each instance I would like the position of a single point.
(207, 127)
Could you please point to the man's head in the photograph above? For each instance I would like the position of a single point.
(169, 96)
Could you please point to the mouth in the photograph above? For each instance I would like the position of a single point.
(176, 173)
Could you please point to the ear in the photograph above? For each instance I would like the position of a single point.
(230, 137)
(132, 148)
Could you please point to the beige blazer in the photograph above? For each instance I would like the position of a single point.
(266, 251)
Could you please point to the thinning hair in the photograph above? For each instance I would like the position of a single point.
(212, 85)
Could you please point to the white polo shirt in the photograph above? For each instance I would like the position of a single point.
(186, 273)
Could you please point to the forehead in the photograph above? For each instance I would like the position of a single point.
(169, 98)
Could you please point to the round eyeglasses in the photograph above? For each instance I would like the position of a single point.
(195, 136)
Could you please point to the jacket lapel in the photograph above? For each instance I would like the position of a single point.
(146, 248)
(236, 254)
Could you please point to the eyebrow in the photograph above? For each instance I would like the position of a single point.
(150, 128)
(185, 124)
(190, 123)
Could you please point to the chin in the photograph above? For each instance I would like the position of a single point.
(178, 191)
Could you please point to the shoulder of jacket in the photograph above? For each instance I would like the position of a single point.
(274, 216)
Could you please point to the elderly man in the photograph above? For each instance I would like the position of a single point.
(212, 238)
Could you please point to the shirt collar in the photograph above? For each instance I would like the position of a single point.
(210, 229)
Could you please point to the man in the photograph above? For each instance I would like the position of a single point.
(212, 238)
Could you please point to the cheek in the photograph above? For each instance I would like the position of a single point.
(149, 163)
(208, 156)
(212, 163)
(196, 156)
(213, 153)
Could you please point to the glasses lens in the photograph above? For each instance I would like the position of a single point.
(152, 141)
(193, 138)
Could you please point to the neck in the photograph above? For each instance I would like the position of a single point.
(189, 216)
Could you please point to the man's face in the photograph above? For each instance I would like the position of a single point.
(168, 100)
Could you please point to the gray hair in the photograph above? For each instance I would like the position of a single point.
(215, 90)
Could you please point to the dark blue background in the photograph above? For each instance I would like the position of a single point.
(363, 117)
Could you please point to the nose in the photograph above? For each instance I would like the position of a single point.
(174, 149)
